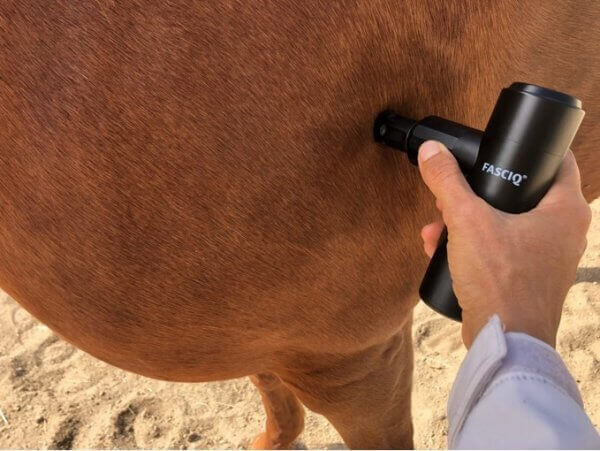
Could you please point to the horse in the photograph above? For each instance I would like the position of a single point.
(191, 191)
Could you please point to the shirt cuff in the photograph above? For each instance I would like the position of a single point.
(492, 357)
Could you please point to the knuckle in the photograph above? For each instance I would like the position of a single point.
(583, 247)
(574, 214)
(587, 214)
(583, 216)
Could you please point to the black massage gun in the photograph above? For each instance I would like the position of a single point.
(511, 164)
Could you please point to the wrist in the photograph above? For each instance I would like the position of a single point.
(534, 325)
(530, 326)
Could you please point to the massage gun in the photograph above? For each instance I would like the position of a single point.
(511, 164)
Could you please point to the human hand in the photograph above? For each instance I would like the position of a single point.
(517, 266)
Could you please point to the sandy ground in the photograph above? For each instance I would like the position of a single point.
(52, 395)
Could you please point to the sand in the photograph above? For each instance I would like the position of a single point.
(55, 396)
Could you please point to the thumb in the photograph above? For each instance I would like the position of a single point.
(442, 175)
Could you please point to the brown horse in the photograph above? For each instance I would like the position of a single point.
(190, 190)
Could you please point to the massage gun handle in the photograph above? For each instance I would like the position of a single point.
(436, 287)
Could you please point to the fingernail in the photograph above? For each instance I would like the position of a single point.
(428, 149)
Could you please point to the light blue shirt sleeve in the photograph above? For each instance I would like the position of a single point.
(513, 391)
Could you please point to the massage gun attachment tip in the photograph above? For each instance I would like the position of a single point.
(380, 127)
(392, 129)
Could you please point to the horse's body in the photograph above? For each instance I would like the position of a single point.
(192, 192)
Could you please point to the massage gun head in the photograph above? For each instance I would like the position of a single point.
(393, 130)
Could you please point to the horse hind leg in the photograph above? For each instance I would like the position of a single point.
(285, 414)
(365, 396)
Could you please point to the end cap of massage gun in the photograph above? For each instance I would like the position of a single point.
(393, 130)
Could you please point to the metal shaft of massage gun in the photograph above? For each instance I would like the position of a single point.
(511, 164)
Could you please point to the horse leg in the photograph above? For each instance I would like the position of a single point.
(366, 396)
(285, 414)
